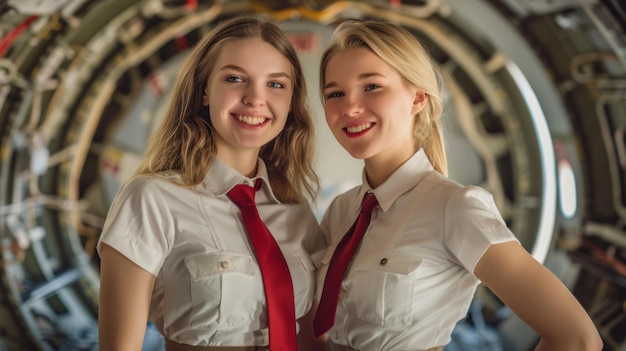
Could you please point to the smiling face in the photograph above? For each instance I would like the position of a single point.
(369, 107)
(249, 96)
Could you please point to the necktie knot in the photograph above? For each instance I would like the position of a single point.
(243, 195)
(369, 202)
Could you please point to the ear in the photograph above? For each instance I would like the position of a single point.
(205, 96)
(419, 102)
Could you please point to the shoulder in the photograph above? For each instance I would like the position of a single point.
(437, 188)
(153, 181)
(455, 193)
(147, 187)
(435, 182)
(345, 199)
(459, 203)
(471, 199)
(164, 181)
(341, 206)
(471, 210)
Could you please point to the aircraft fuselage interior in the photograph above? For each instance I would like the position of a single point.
(534, 112)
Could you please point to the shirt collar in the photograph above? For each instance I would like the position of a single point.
(221, 178)
(403, 179)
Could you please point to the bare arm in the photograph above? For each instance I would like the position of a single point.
(125, 292)
(538, 297)
(306, 337)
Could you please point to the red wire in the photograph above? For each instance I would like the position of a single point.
(6, 42)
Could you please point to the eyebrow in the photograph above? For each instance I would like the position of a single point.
(240, 69)
(361, 77)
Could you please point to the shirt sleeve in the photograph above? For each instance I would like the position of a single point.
(139, 225)
(473, 223)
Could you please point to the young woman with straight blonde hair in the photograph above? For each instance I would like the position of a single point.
(428, 240)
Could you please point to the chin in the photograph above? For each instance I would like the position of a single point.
(359, 154)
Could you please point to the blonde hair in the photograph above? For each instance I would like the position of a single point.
(184, 141)
(402, 51)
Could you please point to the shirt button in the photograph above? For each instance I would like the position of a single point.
(335, 335)
(384, 261)
(225, 264)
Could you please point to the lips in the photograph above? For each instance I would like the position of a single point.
(358, 128)
(250, 120)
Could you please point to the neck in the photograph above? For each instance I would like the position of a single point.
(379, 169)
(244, 162)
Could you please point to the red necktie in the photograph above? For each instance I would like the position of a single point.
(325, 316)
(274, 270)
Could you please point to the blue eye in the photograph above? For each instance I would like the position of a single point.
(275, 85)
(334, 94)
(371, 87)
(234, 79)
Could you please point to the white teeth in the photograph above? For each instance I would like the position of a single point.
(251, 120)
(357, 129)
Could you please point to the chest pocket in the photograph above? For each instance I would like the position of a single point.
(226, 290)
(381, 288)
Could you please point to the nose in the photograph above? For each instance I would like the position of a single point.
(351, 107)
(253, 95)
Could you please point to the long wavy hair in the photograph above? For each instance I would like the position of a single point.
(402, 51)
(184, 141)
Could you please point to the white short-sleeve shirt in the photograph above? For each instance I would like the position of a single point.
(412, 278)
(208, 289)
